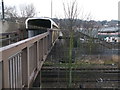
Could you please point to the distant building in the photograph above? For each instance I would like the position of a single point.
(110, 34)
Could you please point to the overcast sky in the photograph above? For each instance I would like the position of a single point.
(98, 9)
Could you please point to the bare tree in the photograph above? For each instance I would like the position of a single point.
(90, 28)
(71, 13)
(11, 12)
(27, 11)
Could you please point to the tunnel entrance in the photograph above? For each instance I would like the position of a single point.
(40, 23)
(37, 26)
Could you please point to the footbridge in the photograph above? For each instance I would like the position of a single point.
(21, 62)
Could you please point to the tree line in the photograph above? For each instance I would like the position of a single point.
(25, 11)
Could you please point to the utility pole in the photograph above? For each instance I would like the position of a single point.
(51, 8)
(3, 14)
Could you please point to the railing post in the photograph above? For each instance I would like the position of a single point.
(38, 55)
(28, 69)
(40, 50)
(32, 62)
(5, 73)
(24, 67)
(9, 38)
(50, 38)
(1, 75)
(46, 45)
(48, 42)
(43, 46)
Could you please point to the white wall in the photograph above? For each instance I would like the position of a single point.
(6, 26)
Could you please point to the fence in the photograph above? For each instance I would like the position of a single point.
(8, 38)
(20, 62)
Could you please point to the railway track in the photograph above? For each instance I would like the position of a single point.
(82, 68)
(94, 77)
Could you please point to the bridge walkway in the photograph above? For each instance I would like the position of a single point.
(21, 62)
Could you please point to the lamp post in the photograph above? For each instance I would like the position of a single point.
(3, 14)
(51, 8)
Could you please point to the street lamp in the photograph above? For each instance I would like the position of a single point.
(3, 15)
(51, 8)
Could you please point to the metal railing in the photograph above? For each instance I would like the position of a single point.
(8, 38)
(20, 62)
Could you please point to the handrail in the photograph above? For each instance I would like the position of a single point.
(13, 48)
(12, 57)
(8, 33)
(21, 61)
(8, 38)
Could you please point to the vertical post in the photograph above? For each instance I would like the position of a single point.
(1, 75)
(47, 43)
(40, 80)
(24, 62)
(28, 68)
(38, 55)
(43, 49)
(3, 14)
(50, 38)
(51, 8)
(5, 73)
(40, 51)
(9, 38)
(46, 46)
